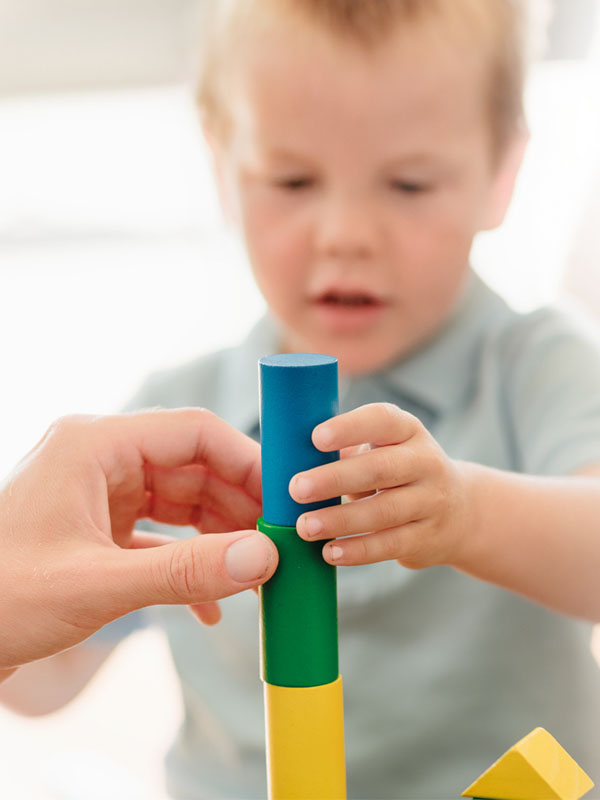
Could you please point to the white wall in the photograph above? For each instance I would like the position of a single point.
(49, 45)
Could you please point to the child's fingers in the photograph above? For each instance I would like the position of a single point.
(400, 543)
(349, 452)
(352, 496)
(377, 423)
(355, 450)
(382, 468)
(377, 512)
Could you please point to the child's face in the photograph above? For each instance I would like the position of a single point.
(359, 180)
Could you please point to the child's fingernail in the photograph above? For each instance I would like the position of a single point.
(335, 552)
(324, 435)
(302, 488)
(312, 526)
(248, 559)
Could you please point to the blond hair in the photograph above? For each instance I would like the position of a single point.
(501, 29)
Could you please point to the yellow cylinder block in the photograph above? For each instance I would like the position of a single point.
(305, 742)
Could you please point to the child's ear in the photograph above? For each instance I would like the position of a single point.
(220, 161)
(504, 180)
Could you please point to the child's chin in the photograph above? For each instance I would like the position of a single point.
(357, 358)
(356, 364)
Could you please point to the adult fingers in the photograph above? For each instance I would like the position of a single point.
(141, 539)
(192, 571)
(205, 519)
(207, 613)
(195, 485)
(174, 438)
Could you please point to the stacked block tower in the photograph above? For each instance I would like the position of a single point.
(298, 605)
(298, 616)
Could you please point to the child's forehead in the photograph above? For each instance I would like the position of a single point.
(298, 81)
(274, 33)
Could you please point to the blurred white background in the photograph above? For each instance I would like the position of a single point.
(114, 261)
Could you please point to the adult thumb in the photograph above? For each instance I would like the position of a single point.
(196, 570)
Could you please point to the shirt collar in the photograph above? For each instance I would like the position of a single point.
(439, 374)
(436, 377)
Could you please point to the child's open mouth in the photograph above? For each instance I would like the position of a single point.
(350, 300)
(347, 311)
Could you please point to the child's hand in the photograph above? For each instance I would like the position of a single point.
(407, 498)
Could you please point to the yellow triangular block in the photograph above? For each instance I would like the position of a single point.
(535, 768)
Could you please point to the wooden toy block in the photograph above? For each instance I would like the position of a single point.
(535, 768)
(298, 605)
(297, 392)
(305, 742)
(298, 613)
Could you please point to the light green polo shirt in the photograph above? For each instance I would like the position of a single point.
(441, 672)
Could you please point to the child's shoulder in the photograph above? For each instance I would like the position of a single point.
(548, 339)
(224, 381)
(189, 383)
(545, 335)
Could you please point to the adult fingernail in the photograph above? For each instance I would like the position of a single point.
(302, 488)
(248, 559)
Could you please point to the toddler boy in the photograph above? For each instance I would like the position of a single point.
(360, 146)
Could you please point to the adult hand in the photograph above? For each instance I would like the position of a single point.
(71, 558)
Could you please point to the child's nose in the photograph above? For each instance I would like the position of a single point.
(347, 228)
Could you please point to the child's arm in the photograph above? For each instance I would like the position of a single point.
(536, 536)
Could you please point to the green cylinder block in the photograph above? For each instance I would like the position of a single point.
(298, 616)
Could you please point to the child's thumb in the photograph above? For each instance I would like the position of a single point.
(195, 570)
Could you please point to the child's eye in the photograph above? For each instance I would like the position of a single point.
(294, 184)
(409, 187)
